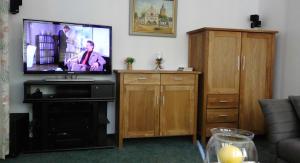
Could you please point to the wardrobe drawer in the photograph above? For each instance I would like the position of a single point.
(178, 79)
(222, 115)
(222, 101)
(141, 79)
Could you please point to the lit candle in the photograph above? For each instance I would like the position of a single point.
(158, 55)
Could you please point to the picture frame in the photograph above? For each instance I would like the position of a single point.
(153, 18)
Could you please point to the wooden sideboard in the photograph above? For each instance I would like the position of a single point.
(156, 103)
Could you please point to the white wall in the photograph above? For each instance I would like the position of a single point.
(192, 14)
(273, 14)
(291, 70)
(283, 15)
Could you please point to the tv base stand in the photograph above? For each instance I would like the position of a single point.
(69, 114)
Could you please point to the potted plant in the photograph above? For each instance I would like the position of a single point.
(129, 61)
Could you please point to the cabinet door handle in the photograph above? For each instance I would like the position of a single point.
(238, 63)
(244, 62)
(223, 101)
(157, 100)
(163, 100)
(142, 78)
(178, 78)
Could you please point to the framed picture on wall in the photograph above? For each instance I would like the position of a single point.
(153, 17)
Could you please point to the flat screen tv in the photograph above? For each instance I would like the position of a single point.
(51, 47)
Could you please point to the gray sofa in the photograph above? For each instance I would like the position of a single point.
(283, 128)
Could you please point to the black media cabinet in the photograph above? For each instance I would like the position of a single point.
(68, 114)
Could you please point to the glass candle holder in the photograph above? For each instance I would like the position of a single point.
(229, 145)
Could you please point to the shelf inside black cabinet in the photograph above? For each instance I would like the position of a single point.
(68, 91)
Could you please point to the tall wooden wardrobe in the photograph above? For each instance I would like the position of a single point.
(237, 66)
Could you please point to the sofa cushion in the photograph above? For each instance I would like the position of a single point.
(288, 149)
(295, 100)
(280, 118)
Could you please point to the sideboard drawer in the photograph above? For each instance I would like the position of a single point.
(177, 78)
(222, 101)
(222, 115)
(141, 78)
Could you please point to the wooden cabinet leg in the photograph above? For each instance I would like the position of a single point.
(194, 139)
(120, 145)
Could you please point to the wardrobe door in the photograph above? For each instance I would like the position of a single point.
(223, 62)
(256, 78)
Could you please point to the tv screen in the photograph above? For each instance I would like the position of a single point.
(66, 48)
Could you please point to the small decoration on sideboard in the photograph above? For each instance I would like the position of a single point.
(158, 62)
(129, 61)
(185, 69)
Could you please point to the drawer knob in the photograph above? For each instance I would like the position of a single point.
(224, 101)
(142, 78)
(178, 78)
(223, 115)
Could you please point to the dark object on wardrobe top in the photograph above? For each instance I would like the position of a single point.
(255, 22)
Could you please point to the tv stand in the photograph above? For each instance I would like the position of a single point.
(69, 114)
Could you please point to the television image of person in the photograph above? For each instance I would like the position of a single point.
(57, 42)
(87, 61)
(62, 42)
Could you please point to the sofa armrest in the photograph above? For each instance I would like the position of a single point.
(280, 119)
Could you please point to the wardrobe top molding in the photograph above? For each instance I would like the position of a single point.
(231, 30)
